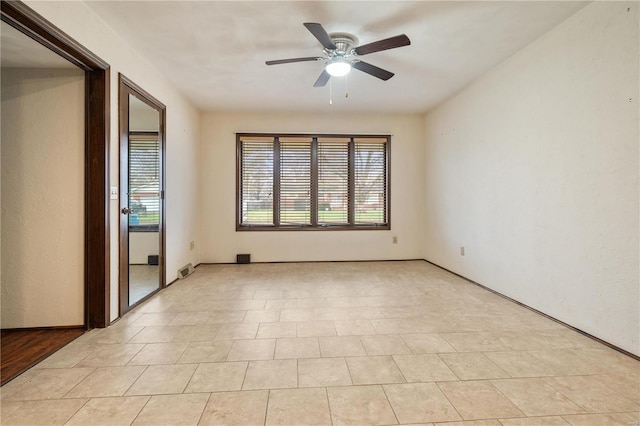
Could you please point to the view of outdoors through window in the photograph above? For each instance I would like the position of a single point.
(333, 181)
(144, 181)
(316, 181)
(295, 181)
(257, 181)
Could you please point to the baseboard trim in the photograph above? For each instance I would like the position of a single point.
(312, 261)
(54, 327)
(147, 297)
(584, 333)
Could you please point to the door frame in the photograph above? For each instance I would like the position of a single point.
(127, 87)
(96, 155)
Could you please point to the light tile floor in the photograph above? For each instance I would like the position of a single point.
(328, 343)
(143, 279)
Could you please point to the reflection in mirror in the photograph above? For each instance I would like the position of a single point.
(144, 199)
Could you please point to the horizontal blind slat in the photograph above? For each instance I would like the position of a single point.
(257, 182)
(370, 182)
(144, 182)
(295, 181)
(333, 181)
(333, 167)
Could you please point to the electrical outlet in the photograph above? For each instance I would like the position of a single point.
(192, 245)
(394, 239)
(461, 250)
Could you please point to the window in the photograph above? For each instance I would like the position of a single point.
(312, 182)
(144, 181)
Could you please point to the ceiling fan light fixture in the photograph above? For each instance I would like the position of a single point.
(338, 68)
(341, 52)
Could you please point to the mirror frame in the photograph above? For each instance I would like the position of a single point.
(126, 88)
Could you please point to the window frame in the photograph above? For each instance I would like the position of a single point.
(314, 226)
(146, 136)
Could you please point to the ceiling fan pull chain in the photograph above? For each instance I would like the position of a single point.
(346, 86)
(330, 100)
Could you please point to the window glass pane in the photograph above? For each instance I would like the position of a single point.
(343, 178)
(370, 181)
(257, 181)
(295, 181)
(333, 181)
(144, 181)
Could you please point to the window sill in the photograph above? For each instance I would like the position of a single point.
(381, 227)
(144, 228)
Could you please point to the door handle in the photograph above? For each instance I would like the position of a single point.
(127, 210)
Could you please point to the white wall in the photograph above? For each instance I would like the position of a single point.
(82, 24)
(534, 169)
(220, 242)
(142, 117)
(42, 197)
(142, 245)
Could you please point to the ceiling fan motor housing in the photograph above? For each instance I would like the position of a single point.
(345, 43)
(341, 52)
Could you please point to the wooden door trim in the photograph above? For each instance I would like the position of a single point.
(125, 88)
(96, 181)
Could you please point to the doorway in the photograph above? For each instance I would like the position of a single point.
(96, 149)
(38, 50)
(142, 207)
(42, 184)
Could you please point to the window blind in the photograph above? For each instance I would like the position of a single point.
(144, 181)
(292, 181)
(295, 181)
(333, 180)
(370, 181)
(256, 198)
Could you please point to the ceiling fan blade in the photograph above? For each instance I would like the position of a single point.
(322, 80)
(288, 61)
(373, 70)
(386, 44)
(319, 32)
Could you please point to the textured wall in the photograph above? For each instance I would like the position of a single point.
(220, 242)
(81, 23)
(42, 197)
(534, 169)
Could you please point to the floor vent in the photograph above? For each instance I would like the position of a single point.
(185, 271)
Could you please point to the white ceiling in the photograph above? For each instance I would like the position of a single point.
(214, 51)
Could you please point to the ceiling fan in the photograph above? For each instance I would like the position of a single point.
(341, 53)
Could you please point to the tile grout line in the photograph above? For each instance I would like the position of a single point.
(348, 370)
(449, 400)
(244, 378)
(266, 408)
(399, 369)
(384, 392)
(204, 409)
(146, 367)
(326, 395)
(141, 408)
(448, 366)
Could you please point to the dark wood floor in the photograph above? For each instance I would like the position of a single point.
(22, 349)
